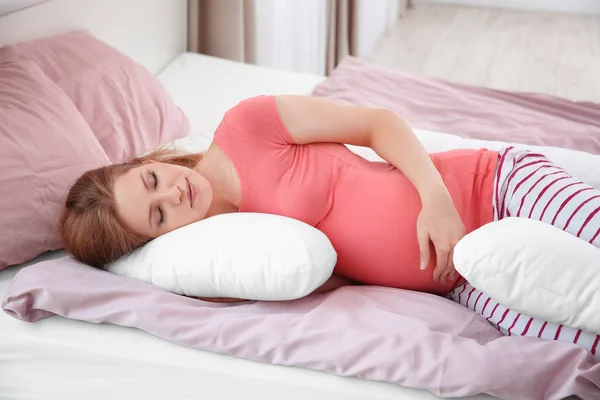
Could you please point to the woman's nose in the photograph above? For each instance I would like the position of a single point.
(174, 194)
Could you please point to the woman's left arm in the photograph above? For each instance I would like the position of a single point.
(310, 120)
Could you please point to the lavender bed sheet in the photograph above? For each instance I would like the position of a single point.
(406, 338)
(468, 111)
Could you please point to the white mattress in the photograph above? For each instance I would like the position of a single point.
(57, 358)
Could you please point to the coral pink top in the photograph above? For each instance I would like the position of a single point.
(367, 209)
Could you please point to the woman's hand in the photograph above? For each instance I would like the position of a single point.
(440, 224)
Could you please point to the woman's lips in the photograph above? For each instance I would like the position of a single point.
(191, 193)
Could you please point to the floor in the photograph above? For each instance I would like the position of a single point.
(558, 54)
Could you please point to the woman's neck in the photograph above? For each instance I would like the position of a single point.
(223, 179)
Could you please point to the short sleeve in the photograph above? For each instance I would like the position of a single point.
(258, 118)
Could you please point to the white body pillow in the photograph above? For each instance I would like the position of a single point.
(536, 269)
(582, 165)
(241, 255)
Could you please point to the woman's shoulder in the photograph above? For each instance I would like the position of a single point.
(255, 118)
(252, 110)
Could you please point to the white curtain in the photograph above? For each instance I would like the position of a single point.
(372, 19)
(355, 26)
(291, 34)
(309, 36)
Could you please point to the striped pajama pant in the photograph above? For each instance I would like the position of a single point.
(528, 185)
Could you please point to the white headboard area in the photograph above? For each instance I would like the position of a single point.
(152, 32)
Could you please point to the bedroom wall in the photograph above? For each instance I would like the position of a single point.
(152, 32)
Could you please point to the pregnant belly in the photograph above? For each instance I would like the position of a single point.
(378, 245)
(389, 264)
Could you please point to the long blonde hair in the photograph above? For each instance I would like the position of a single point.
(90, 227)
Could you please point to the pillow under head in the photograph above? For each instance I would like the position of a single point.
(248, 256)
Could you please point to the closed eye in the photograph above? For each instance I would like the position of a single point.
(154, 184)
(161, 216)
(155, 177)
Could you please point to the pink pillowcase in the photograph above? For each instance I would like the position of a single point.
(45, 144)
(124, 104)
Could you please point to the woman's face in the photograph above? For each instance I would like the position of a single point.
(156, 198)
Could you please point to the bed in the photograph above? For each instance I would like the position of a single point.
(103, 360)
(62, 358)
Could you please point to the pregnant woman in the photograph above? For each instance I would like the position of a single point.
(392, 223)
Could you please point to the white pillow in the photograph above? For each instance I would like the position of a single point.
(582, 165)
(536, 269)
(241, 255)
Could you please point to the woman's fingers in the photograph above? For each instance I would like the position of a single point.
(442, 262)
(449, 272)
(423, 239)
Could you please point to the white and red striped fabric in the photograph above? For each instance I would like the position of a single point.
(528, 185)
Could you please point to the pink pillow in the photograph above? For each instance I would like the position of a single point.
(45, 144)
(124, 104)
